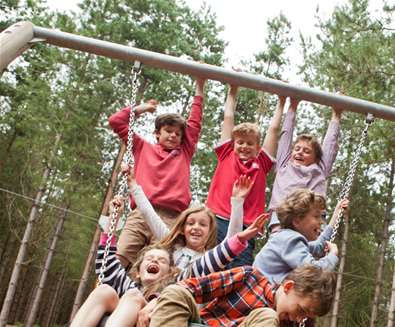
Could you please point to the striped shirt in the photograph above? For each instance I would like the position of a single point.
(231, 294)
(211, 261)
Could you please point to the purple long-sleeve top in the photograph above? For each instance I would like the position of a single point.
(290, 176)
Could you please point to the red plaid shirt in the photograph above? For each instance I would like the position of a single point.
(231, 294)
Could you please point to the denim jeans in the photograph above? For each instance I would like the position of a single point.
(246, 258)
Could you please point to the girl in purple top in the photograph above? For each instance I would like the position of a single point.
(303, 164)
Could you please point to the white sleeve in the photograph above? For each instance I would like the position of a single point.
(236, 217)
(155, 223)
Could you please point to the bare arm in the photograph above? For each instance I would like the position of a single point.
(199, 87)
(229, 114)
(271, 139)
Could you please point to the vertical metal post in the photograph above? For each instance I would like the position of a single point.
(13, 41)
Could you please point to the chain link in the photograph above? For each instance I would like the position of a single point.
(345, 192)
(128, 159)
(108, 243)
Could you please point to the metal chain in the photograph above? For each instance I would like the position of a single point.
(345, 192)
(128, 159)
(108, 244)
(349, 181)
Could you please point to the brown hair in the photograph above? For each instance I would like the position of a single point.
(314, 144)
(297, 205)
(317, 284)
(171, 119)
(134, 271)
(244, 129)
(176, 235)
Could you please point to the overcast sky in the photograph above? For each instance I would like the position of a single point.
(245, 23)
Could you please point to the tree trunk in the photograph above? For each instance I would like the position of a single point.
(383, 247)
(92, 252)
(336, 302)
(55, 308)
(44, 274)
(26, 237)
(391, 311)
(4, 257)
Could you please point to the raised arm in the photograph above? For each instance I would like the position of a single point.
(240, 190)
(285, 142)
(215, 259)
(119, 121)
(194, 121)
(271, 138)
(229, 114)
(224, 253)
(155, 223)
(296, 254)
(330, 146)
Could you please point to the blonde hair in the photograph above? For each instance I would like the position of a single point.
(176, 235)
(244, 129)
(297, 205)
(317, 284)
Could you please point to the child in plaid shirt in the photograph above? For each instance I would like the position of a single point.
(242, 296)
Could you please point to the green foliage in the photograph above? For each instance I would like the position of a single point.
(354, 55)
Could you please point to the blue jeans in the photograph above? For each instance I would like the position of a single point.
(246, 258)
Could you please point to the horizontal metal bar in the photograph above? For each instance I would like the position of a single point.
(184, 66)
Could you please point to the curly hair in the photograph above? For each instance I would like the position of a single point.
(297, 205)
(317, 284)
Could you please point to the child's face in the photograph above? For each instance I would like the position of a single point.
(293, 306)
(309, 225)
(196, 230)
(246, 146)
(303, 153)
(169, 136)
(155, 264)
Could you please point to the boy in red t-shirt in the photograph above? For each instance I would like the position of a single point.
(239, 153)
(162, 169)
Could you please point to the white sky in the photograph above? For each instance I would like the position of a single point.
(245, 23)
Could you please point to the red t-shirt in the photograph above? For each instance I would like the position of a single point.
(228, 170)
(163, 175)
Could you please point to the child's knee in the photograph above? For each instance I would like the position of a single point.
(134, 295)
(104, 291)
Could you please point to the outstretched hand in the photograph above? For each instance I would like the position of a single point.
(242, 187)
(255, 228)
(148, 106)
(342, 204)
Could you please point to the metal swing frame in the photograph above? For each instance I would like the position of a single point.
(20, 36)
